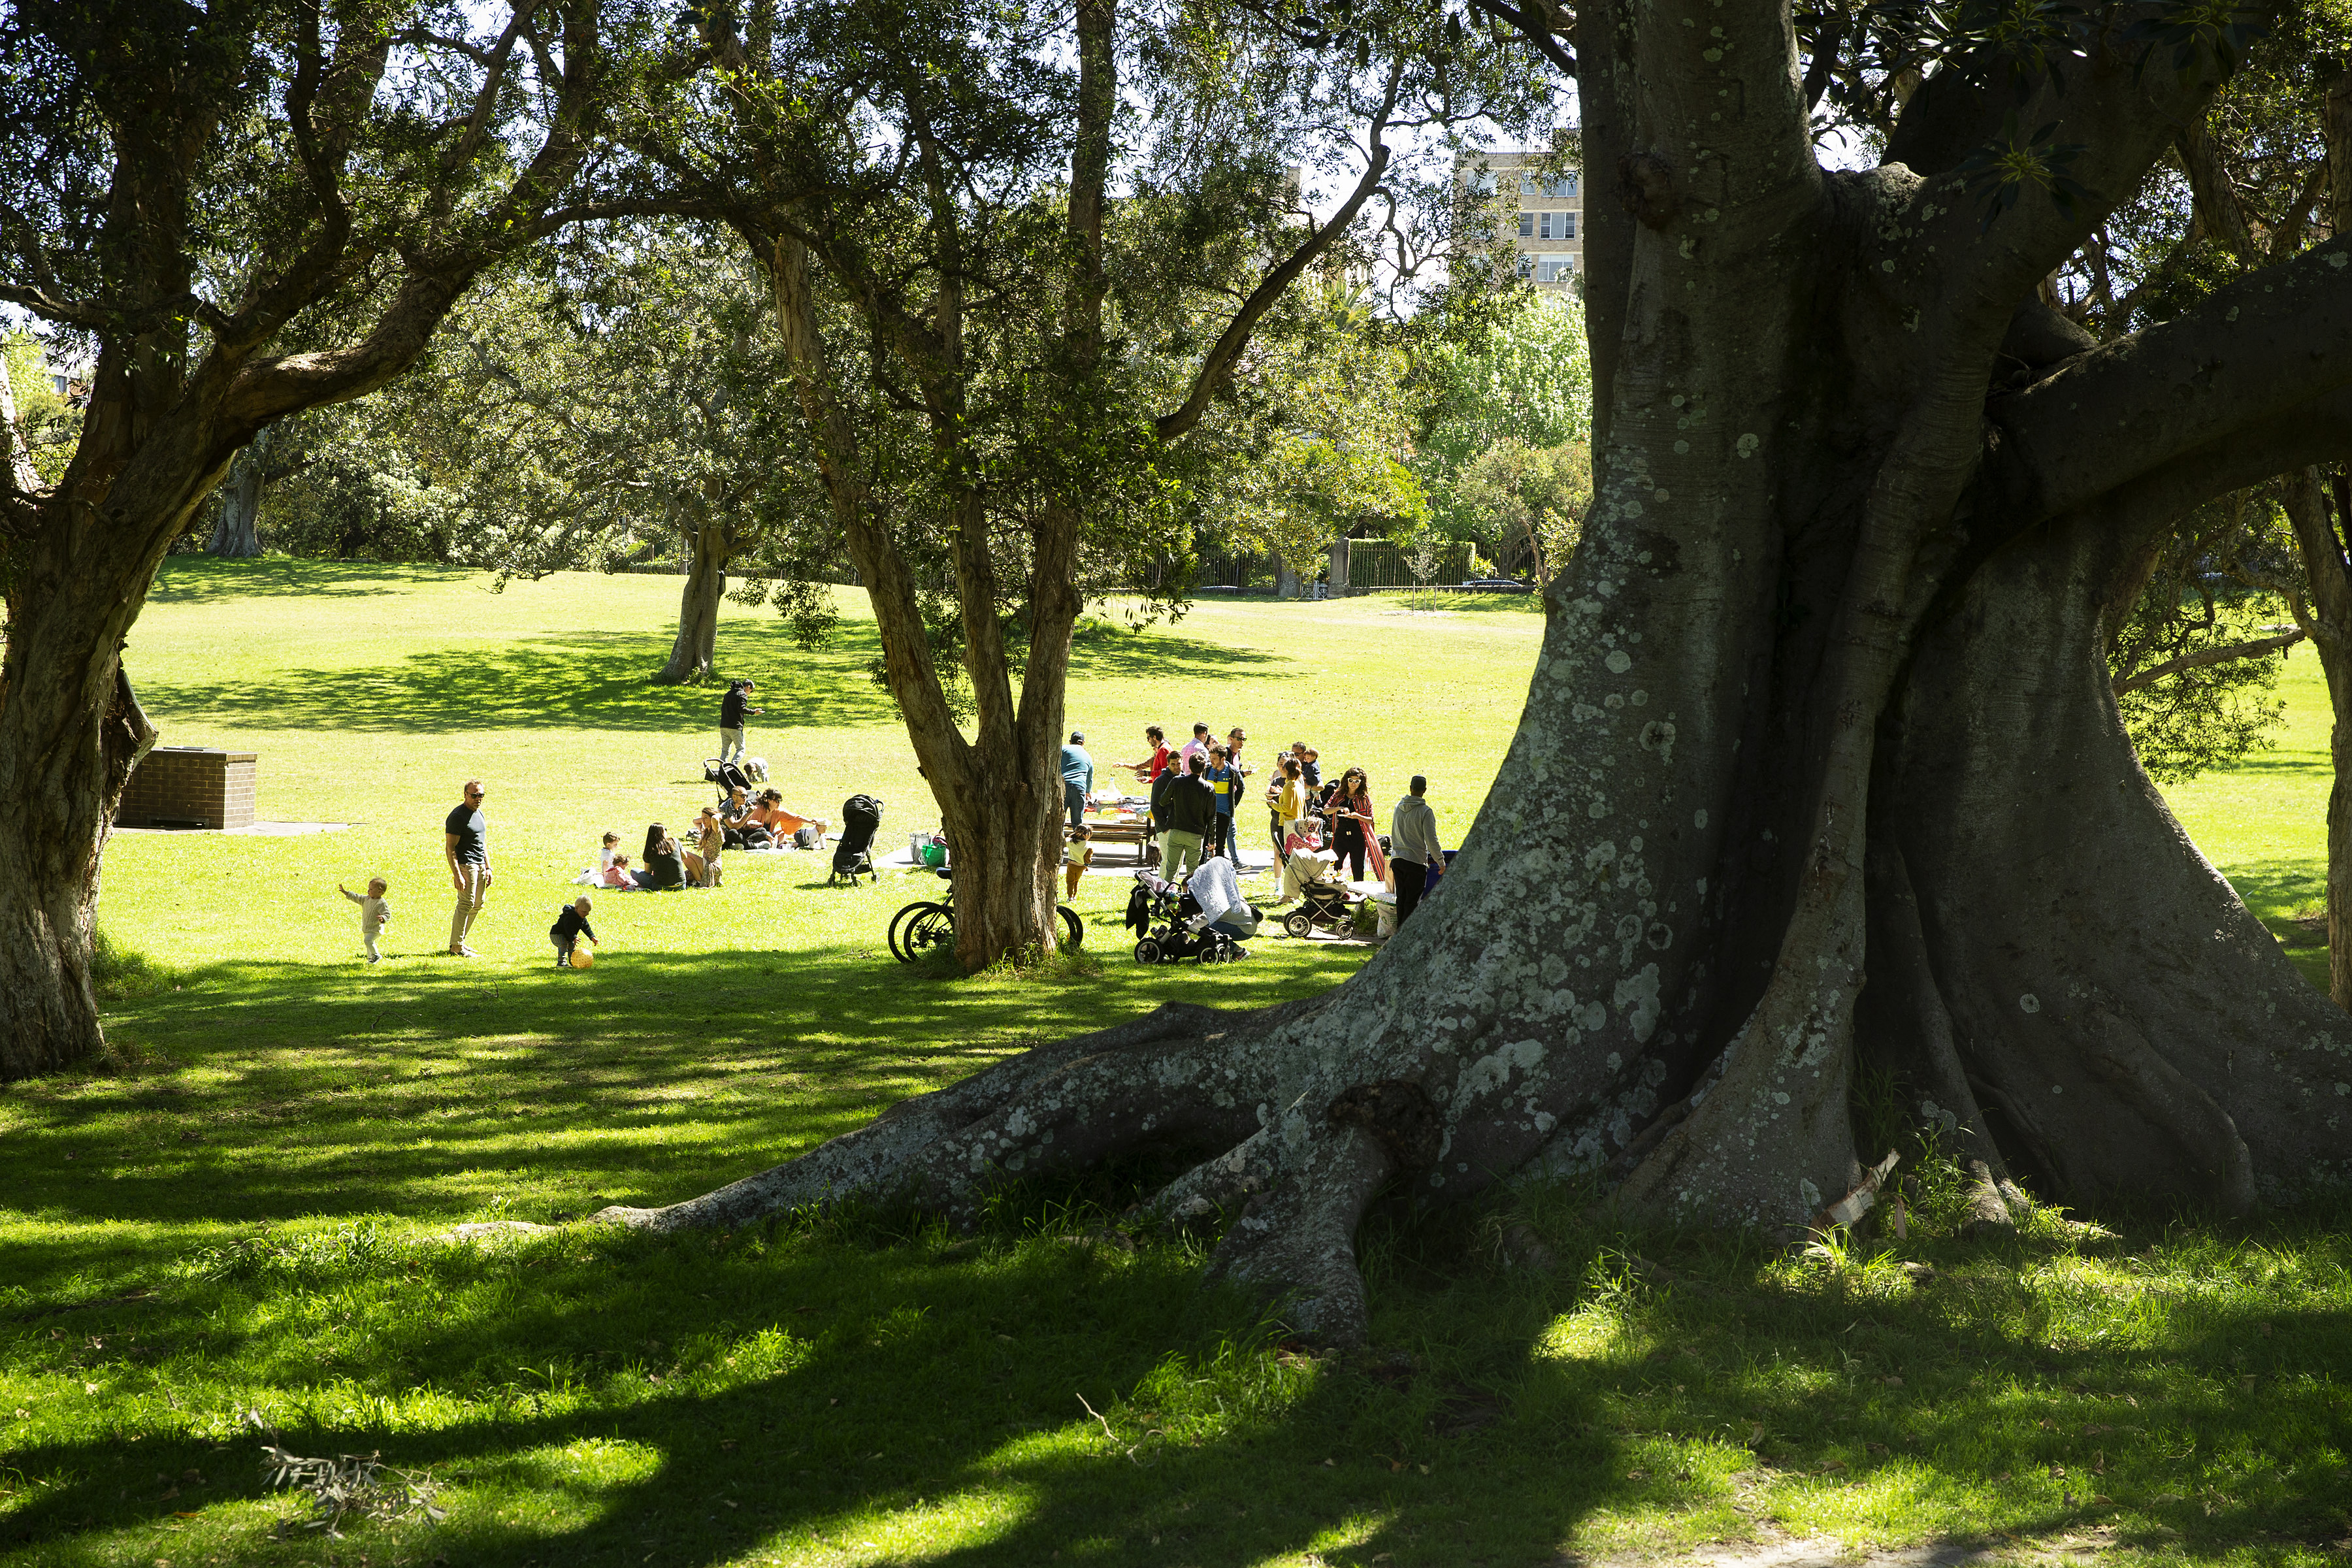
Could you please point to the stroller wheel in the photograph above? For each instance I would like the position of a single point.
(1146, 952)
(1073, 935)
(1296, 923)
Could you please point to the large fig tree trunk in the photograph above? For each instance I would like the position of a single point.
(1821, 713)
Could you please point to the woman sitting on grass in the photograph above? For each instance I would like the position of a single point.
(665, 866)
(782, 823)
(709, 838)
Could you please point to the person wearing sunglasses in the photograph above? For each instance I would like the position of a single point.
(465, 844)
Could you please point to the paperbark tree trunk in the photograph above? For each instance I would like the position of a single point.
(237, 535)
(164, 422)
(2325, 612)
(710, 545)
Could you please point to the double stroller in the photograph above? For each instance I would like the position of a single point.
(853, 856)
(1157, 912)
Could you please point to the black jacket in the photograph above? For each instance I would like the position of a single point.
(571, 925)
(1159, 788)
(1189, 807)
(730, 708)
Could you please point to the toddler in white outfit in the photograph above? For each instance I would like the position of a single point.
(374, 915)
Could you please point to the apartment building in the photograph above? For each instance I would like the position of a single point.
(1538, 205)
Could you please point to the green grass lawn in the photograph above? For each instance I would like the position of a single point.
(243, 1217)
(2265, 822)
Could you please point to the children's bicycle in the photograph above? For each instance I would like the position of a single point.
(927, 924)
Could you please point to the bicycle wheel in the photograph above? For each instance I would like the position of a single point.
(902, 921)
(1073, 934)
(932, 927)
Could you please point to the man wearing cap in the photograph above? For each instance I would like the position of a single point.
(1077, 776)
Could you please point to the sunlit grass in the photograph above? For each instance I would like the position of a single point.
(244, 1218)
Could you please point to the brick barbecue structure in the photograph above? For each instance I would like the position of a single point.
(189, 786)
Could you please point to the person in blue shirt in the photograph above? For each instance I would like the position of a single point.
(1077, 776)
(1227, 780)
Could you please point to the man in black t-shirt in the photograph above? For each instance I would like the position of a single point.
(465, 844)
(733, 708)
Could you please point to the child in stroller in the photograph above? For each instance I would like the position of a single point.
(1162, 914)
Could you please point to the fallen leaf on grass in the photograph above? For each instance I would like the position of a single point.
(1637, 1475)
(1832, 1464)
(2096, 1430)
(1892, 1382)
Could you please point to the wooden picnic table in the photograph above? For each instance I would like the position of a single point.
(1134, 830)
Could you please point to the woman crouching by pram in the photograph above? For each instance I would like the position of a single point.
(1219, 893)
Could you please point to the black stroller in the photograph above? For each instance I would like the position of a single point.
(861, 819)
(727, 776)
(1157, 911)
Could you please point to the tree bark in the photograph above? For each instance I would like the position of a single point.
(710, 543)
(237, 534)
(161, 426)
(1821, 714)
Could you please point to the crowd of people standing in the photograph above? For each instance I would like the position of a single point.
(1195, 795)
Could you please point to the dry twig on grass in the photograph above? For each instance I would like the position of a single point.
(351, 1484)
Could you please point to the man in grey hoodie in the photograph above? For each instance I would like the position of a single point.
(1413, 847)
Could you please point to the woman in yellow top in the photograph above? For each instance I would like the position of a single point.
(1289, 805)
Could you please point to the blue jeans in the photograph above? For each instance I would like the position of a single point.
(1074, 798)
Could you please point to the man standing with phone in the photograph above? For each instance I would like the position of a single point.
(465, 844)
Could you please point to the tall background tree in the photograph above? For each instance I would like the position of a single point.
(1820, 764)
(238, 213)
(1051, 236)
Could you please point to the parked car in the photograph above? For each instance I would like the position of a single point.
(1497, 585)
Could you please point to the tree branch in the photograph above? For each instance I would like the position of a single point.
(1236, 335)
(2141, 680)
(2252, 353)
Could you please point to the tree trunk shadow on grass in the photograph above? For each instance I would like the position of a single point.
(922, 1366)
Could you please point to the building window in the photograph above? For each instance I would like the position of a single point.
(1527, 265)
(1527, 225)
(1555, 268)
(1482, 182)
(59, 383)
(1561, 189)
(1555, 226)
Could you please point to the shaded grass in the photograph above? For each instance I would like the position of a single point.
(242, 1217)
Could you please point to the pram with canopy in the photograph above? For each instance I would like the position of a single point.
(861, 819)
(1157, 912)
